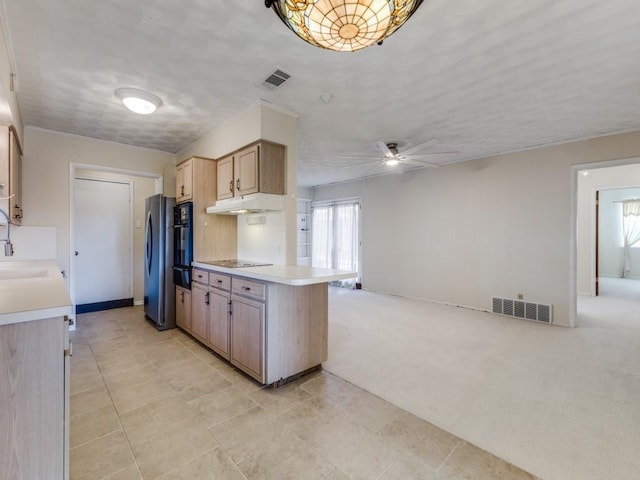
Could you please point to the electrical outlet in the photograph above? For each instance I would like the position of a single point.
(521, 296)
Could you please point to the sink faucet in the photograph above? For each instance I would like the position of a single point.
(8, 248)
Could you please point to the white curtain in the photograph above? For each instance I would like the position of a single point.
(335, 238)
(630, 230)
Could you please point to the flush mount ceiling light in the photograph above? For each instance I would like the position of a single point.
(138, 101)
(343, 25)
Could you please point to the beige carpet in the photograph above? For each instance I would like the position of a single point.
(560, 403)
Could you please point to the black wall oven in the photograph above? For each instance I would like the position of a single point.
(182, 244)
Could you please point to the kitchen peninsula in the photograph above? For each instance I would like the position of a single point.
(270, 321)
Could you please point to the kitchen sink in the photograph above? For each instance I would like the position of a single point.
(18, 270)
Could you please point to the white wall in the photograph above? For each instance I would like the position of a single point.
(275, 240)
(46, 175)
(463, 233)
(623, 176)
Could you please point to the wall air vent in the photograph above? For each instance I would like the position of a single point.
(538, 312)
(275, 79)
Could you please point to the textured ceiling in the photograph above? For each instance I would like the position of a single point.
(482, 76)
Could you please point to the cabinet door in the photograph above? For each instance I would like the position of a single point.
(32, 400)
(225, 178)
(247, 336)
(245, 169)
(199, 311)
(183, 308)
(184, 181)
(219, 321)
(179, 183)
(15, 180)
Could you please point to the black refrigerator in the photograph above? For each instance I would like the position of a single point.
(159, 291)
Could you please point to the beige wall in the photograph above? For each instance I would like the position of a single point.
(463, 233)
(275, 240)
(46, 174)
(143, 187)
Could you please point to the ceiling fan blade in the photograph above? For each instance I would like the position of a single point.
(419, 156)
(419, 163)
(420, 146)
(359, 164)
(370, 157)
(384, 149)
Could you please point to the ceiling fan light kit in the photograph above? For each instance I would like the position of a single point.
(343, 25)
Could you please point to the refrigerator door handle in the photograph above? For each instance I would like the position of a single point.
(149, 240)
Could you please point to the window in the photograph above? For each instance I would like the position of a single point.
(631, 230)
(335, 241)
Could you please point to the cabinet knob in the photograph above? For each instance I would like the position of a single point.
(231, 186)
(206, 299)
(238, 184)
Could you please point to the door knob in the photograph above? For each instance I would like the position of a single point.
(76, 253)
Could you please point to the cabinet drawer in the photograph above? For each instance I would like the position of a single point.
(200, 276)
(220, 281)
(248, 288)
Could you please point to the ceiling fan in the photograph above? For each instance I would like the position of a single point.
(392, 156)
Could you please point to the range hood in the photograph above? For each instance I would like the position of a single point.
(253, 203)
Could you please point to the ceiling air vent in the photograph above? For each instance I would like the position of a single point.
(275, 79)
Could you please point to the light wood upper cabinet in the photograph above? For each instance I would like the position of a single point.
(245, 167)
(11, 174)
(226, 187)
(184, 181)
(259, 167)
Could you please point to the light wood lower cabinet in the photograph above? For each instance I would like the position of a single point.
(270, 331)
(247, 336)
(199, 311)
(219, 304)
(34, 400)
(183, 308)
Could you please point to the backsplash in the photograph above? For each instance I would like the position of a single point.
(31, 243)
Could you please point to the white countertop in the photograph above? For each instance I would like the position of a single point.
(286, 274)
(32, 290)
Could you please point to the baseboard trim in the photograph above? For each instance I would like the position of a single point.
(99, 306)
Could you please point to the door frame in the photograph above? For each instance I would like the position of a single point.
(576, 170)
(73, 167)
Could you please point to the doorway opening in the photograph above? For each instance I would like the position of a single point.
(110, 190)
(607, 293)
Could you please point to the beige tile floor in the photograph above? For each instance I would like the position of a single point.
(158, 405)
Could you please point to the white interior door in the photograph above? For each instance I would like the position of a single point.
(102, 241)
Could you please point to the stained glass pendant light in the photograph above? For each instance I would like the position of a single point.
(343, 25)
